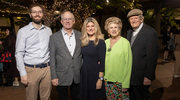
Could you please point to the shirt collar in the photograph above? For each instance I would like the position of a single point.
(65, 33)
(139, 28)
(31, 27)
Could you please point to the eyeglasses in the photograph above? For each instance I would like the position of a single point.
(68, 19)
(36, 12)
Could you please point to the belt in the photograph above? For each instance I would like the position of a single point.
(38, 66)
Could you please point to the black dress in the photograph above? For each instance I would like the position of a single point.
(93, 63)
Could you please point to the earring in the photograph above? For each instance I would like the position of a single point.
(109, 35)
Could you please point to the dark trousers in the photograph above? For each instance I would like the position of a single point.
(74, 92)
(139, 92)
(8, 74)
(1, 79)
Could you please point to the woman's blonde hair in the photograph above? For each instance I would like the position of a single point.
(85, 37)
(114, 20)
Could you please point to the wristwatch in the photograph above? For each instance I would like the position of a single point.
(101, 78)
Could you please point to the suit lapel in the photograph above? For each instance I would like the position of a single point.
(139, 36)
(62, 42)
(129, 35)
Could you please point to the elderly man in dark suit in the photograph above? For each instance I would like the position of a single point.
(144, 47)
(65, 58)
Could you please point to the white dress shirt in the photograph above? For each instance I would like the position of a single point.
(135, 32)
(70, 41)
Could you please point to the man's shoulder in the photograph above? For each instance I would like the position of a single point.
(149, 29)
(46, 27)
(25, 27)
(56, 33)
(24, 30)
(76, 31)
(130, 30)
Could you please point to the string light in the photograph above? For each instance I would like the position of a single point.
(14, 12)
(79, 8)
(15, 5)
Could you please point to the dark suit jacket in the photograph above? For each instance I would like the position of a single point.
(145, 54)
(64, 66)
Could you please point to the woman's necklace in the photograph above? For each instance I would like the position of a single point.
(112, 42)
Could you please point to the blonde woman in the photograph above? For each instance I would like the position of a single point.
(118, 62)
(93, 52)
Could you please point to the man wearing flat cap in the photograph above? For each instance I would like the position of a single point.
(144, 45)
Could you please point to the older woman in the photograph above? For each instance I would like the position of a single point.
(93, 52)
(118, 62)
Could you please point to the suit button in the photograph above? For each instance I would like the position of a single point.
(72, 58)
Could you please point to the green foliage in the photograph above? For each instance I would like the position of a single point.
(124, 5)
(149, 16)
(167, 17)
(14, 5)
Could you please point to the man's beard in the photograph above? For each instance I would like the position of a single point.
(36, 21)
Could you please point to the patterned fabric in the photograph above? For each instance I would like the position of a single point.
(5, 56)
(114, 91)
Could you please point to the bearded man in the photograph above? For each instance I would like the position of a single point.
(32, 55)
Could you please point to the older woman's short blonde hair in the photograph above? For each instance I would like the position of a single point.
(111, 20)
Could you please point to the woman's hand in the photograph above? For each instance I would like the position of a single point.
(98, 84)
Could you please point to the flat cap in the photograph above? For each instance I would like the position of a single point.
(134, 12)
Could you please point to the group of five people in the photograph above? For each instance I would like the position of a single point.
(82, 61)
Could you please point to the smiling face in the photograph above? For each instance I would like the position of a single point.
(67, 20)
(135, 21)
(36, 14)
(114, 29)
(90, 28)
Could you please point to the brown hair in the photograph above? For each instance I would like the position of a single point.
(35, 5)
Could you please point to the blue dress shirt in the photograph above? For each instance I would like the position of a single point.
(32, 46)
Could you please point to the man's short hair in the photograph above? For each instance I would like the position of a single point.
(35, 5)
